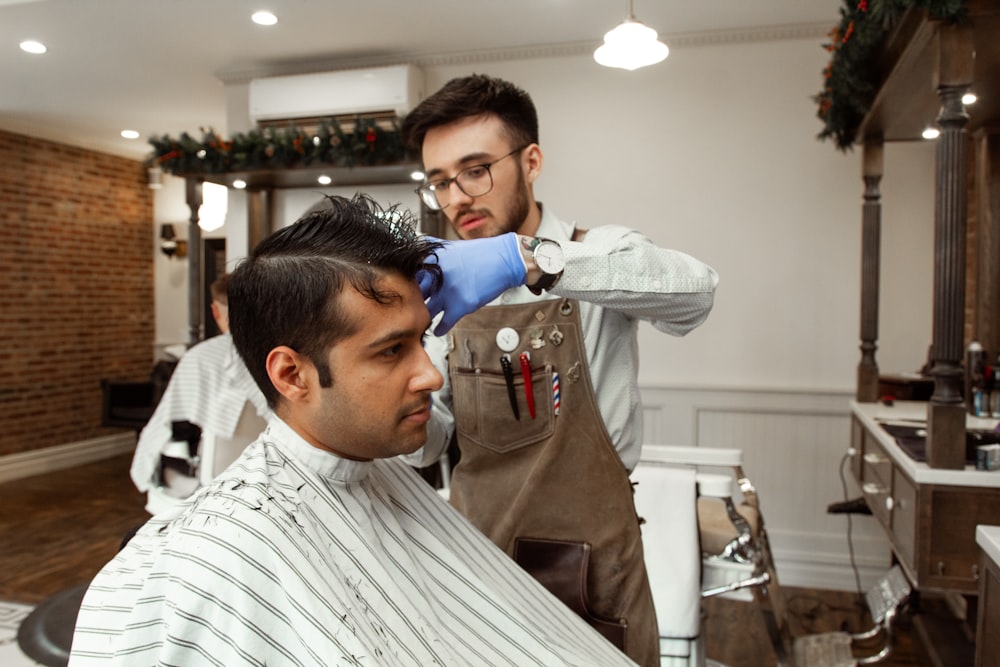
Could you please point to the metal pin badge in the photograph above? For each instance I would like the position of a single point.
(537, 339)
(556, 336)
(508, 339)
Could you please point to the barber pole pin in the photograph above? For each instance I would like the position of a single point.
(555, 393)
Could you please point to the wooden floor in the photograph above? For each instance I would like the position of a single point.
(58, 529)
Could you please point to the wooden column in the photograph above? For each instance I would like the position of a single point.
(871, 241)
(986, 309)
(946, 410)
(194, 202)
(260, 216)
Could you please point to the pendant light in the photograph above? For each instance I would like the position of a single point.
(631, 45)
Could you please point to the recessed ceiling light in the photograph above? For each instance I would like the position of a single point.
(31, 46)
(239, 184)
(931, 133)
(969, 98)
(416, 175)
(264, 18)
(324, 180)
(130, 134)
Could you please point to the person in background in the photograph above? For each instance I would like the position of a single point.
(541, 385)
(210, 394)
(319, 546)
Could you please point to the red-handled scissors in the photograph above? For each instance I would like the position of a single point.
(529, 392)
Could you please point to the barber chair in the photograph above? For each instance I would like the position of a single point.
(731, 543)
(210, 455)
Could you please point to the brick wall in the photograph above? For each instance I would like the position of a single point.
(76, 288)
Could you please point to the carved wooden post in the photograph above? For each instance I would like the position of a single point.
(260, 216)
(946, 410)
(871, 241)
(986, 321)
(194, 201)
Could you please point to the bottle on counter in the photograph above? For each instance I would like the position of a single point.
(975, 380)
(995, 393)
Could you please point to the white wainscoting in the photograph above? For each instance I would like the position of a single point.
(794, 443)
(50, 459)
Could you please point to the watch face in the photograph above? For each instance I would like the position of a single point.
(549, 258)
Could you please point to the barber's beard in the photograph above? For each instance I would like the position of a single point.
(515, 211)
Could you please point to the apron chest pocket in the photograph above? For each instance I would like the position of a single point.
(483, 414)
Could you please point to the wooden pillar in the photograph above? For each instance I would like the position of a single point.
(260, 216)
(194, 201)
(946, 410)
(986, 309)
(871, 241)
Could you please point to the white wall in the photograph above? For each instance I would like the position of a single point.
(714, 152)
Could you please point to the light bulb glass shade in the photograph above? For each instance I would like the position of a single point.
(215, 202)
(630, 46)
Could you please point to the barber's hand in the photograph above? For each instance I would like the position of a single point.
(473, 273)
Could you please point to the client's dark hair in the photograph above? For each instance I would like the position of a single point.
(285, 292)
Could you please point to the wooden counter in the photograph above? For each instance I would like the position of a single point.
(929, 514)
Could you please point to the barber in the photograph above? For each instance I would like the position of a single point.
(541, 385)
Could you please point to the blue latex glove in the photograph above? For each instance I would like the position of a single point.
(473, 273)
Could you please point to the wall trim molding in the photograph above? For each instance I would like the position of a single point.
(50, 459)
(531, 51)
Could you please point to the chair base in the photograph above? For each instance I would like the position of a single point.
(46, 634)
(830, 649)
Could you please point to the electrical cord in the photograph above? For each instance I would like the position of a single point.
(850, 526)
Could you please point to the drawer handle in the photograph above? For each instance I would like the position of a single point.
(875, 459)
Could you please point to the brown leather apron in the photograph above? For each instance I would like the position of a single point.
(550, 490)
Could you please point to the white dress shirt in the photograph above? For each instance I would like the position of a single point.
(620, 278)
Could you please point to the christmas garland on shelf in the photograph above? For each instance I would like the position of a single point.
(851, 77)
(366, 143)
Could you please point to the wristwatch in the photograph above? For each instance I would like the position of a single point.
(548, 257)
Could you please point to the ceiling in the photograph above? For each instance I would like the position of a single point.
(158, 66)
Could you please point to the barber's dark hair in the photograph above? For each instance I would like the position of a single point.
(285, 292)
(474, 95)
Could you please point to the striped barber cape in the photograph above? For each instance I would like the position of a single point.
(294, 556)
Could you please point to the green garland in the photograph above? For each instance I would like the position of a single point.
(851, 77)
(366, 144)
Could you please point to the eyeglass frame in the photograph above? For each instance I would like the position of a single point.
(431, 188)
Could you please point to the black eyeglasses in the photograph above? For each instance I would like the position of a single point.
(474, 181)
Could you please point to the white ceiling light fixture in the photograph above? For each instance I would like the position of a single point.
(631, 45)
(31, 46)
(264, 18)
(215, 203)
(130, 134)
(930, 133)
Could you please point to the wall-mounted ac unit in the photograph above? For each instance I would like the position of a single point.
(396, 89)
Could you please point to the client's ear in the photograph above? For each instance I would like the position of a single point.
(291, 373)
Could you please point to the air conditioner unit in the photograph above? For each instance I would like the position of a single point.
(377, 90)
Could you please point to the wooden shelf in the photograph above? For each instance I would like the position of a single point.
(907, 100)
(306, 177)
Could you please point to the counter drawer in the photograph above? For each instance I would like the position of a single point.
(904, 518)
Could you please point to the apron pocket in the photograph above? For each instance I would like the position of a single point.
(483, 414)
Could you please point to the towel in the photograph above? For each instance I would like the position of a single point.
(665, 496)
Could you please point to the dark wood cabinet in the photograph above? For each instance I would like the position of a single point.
(929, 515)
